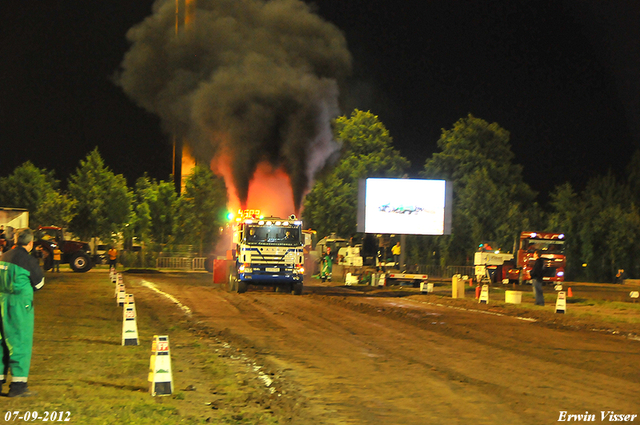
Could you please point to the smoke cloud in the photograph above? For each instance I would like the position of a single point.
(253, 80)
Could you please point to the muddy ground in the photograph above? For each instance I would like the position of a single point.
(363, 355)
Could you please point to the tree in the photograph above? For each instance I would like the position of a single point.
(607, 227)
(202, 209)
(36, 190)
(491, 202)
(331, 206)
(565, 217)
(103, 199)
(156, 205)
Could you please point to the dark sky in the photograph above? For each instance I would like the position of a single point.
(562, 76)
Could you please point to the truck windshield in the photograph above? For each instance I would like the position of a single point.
(545, 246)
(272, 235)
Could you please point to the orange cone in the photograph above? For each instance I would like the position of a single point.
(569, 292)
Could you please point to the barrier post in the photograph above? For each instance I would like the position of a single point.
(129, 324)
(160, 377)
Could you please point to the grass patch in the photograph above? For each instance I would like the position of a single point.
(79, 365)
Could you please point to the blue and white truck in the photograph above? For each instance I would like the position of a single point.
(268, 252)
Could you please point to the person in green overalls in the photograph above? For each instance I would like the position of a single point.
(20, 276)
(327, 266)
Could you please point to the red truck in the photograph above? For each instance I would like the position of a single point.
(551, 247)
(495, 266)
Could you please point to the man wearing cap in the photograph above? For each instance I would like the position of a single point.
(20, 276)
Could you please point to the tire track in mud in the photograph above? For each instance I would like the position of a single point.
(356, 366)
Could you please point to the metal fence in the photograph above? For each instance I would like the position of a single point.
(181, 263)
(445, 272)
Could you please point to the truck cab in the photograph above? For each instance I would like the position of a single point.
(268, 252)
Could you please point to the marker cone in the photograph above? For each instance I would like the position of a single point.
(160, 378)
(484, 295)
(121, 295)
(569, 292)
(129, 325)
(561, 303)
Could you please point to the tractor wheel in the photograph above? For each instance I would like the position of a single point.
(80, 262)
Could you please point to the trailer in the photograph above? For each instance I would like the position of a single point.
(400, 278)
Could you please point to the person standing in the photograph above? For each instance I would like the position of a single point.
(20, 276)
(57, 257)
(113, 257)
(396, 250)
(327, 266)
(536, 276)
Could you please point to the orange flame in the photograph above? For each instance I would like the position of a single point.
(269, 190)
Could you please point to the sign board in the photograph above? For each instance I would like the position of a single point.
(484, 295)
(561, 303)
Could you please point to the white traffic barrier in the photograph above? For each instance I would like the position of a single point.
(118, 280)
(160, 377)
(561, 302)
(351, 279)
(129, 325)
(121, 294)
(426, 287)
(484, 295)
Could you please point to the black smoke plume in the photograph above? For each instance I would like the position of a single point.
(253, 79)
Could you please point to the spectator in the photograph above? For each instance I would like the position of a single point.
(395, 250)
(620, 276)
(327, 266)
(537, 275)
(57, 257)
(20, 276)
(113, 257)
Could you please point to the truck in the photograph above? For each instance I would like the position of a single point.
(495, 266)
(551, 247)
(75, 253)
(268, 252)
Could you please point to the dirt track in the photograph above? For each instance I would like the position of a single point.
(349, 357)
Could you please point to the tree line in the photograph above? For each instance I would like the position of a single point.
(99, 204)
(491, 201)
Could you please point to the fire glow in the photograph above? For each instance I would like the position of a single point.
(269, 189)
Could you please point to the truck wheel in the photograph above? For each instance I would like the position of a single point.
(297, 289)
(80, 262)
(241, 287)
(232, 282)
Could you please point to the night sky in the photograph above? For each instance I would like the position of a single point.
(562, 76)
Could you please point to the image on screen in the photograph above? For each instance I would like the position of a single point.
(405, 206)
